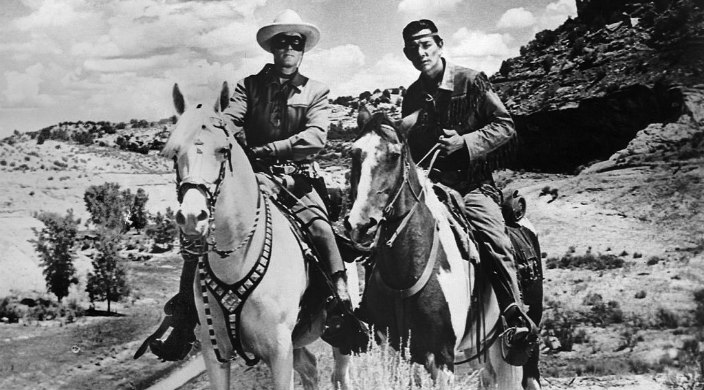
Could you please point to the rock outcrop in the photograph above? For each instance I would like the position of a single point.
(582, 92)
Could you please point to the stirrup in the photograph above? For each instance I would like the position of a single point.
(517, 342)
(179, 342)
(342, 329)
(175, 347)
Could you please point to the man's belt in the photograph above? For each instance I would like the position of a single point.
(458, 179)
(294, 167)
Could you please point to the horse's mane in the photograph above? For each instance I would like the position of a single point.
(188, 125)
(374, 124)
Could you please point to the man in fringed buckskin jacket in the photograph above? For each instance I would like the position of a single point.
(475, 133)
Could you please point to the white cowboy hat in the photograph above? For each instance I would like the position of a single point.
(288, 21)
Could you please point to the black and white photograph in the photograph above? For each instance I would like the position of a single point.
(352, 195)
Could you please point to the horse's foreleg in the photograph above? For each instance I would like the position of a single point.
(500, 374)
(280, 362)
(218, 373)
(304, 363)
(341, 371)
(442, 375)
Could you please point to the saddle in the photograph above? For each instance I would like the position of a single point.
(526, 249)
(350, 335)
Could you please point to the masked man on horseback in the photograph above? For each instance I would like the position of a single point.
(281, 116)
(474, 131)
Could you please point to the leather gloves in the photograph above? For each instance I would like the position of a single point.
(263, 151)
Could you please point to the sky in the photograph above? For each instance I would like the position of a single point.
(70, 60)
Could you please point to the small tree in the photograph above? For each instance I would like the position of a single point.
(164, 231)
(55, 244)
(107, 281)
(506, 67)
(108, 206)
(138, 215)
(547, 63)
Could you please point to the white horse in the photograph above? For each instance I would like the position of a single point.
(252, 270)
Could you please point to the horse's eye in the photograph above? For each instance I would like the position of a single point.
(394, 155)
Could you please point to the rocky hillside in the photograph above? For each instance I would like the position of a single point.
(583, 91)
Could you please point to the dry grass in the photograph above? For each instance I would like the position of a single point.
(382, 367)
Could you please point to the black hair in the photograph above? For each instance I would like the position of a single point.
(413, 27)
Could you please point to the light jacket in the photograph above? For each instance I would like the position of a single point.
(466, 102)
(292, 118)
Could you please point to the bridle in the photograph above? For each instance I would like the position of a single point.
(389, 209)
(201, 246)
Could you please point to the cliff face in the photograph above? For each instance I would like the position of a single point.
(581, 93)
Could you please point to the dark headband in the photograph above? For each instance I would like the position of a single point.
(414, 37)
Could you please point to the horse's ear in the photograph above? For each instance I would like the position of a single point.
(179, 101)
(363, 117)
(224, 99)
(407, 122)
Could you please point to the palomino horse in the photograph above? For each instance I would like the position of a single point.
(253, 272)
(420, 290)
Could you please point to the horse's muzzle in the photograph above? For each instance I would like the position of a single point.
(362, 235)
(193, 226)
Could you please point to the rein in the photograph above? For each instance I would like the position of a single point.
(202, 246)
(389, 209)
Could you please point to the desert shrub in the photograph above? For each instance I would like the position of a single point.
(587, 261)
(382, 367)
(699, 310)
(640, 294)
(547, 63)
(506, 67)
(577, 47)
(55, 245)
(639, 366)
(108, 280)
(45, 309)
(592, 299)
(630, 340)
(562, 325)
(666, 318)
(108, 205)
(83, 137)
(3, 163)
(606, 314)
(10, 310)
(545, 38)
(60, 164)
(653, 260)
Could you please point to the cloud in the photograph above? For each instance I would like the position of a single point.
(390, 71)
(516, 18)
(427, 8)
(556, 13)
(23, 88)
(113, 60)
(52, 13)
(465, 42)
(332, 65)
(479, 50)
